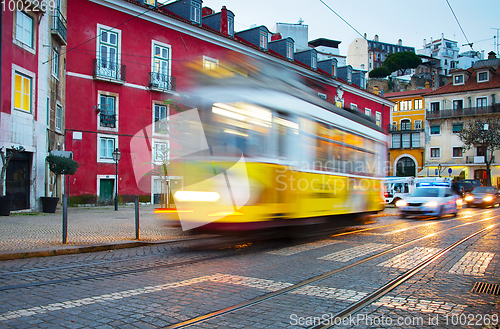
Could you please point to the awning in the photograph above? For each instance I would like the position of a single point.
(428, 172)
(495, 171)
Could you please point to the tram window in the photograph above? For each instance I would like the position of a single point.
(240, 125)
(323, 147)
(338, 150)
(287, 132)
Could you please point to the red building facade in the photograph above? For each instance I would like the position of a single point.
(125, 59)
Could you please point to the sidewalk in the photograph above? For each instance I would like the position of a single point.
(27, 234)
(89, 228)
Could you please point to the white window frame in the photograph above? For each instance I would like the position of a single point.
(20, 40)
(435, 157)
(22, 71)
(453, 103)
(169, 60)
(413, 140)
(230, 26)
(420, 105)
(487, 76)
(457, 157)
(438, 105)
(368, 112)
(417, 124)
(289, 50)
(455, 83)
(378, 118)
(210, 63)
(58, 118)
(314, 60)
(155, 133)
(101, 27)
(154, 155)
(322, 96)
(55, 63)
(354, 107)
(195, 12)
(105, 160)
(478, 98)
(399, 138)
(117, 107)
(452, 127)
(263, 39)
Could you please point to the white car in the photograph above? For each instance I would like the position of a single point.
(430, 201)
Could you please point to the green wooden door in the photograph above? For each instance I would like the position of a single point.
(106, 191)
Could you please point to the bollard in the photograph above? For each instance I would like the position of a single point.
(65, 219)
(137, 230)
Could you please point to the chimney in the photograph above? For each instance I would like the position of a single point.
(223, 21)
(275, 36)
(492, 55)
(482, 54)
(375, 38)
(400, 42)
(442, 36)
(425, 41)
(205, 11)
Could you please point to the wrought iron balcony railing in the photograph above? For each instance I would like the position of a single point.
(161, 81)
(476, 159)
(59, 26)
(109, 70)
(463, 112)
(405, 127)
(107, 120)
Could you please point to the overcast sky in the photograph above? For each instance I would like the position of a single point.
(411, 21)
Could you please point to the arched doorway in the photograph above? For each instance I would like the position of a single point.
(405, 167)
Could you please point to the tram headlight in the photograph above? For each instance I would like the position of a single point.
(431, 204)
(200, 196)
(401, 203)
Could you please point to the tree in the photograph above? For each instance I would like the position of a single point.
(60, 165)
(379, 72)
(485, 133)
(402, 61)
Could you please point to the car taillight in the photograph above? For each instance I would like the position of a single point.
(386, 194)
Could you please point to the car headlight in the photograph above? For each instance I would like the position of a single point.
(469, 198)
(401, 203)
(431, 204)
(488, 198)
(459, 202)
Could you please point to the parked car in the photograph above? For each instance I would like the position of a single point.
(474, 182)
(430, 201)
(483, 196)
(462, 188)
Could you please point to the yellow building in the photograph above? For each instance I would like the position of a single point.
(407, 133)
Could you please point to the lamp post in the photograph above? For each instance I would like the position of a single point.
(116, 157)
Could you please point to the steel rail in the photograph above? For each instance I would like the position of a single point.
(277, 293)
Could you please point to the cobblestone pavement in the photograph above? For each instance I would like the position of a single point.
(439, 296)
(86, 226)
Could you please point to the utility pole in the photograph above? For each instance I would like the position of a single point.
(496, 38)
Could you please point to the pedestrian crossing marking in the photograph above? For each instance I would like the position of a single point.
(410, 258)
(473, 263)
(355, 252)
(287, 251)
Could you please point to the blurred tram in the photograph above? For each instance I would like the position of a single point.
(278, 156)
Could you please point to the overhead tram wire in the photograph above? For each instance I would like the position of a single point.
(352, 27)
(466, 39)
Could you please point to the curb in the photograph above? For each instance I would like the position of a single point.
(10, 255)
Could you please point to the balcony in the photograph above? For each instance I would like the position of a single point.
(463, 112)
(107, 120)
(161, 82)
(405, 127)
(59, 26)
(109, 71)
(476, 159)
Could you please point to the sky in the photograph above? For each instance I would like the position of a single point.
(411, 21)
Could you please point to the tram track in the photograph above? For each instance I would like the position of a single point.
(363, 302)
(156, 258)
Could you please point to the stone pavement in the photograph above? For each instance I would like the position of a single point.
(27, 234)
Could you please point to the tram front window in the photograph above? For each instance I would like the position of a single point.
(240, 126)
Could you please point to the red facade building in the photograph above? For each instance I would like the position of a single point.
(125, 58)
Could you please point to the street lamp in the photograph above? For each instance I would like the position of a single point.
(116, 157)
